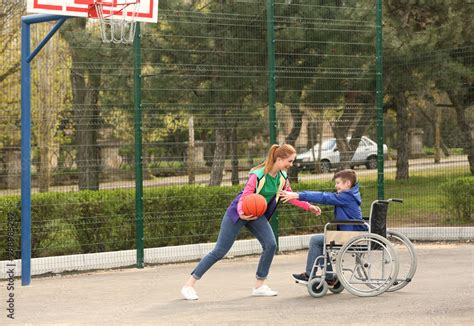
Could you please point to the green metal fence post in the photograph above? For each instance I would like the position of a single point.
(137, 100)
(272, 91)
(379, 99)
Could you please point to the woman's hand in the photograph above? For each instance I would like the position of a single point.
(248, 217)
(315, 210)
(288, 195)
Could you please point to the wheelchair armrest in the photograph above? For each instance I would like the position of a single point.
(349, 222)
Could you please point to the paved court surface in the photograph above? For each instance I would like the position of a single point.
(441, 293)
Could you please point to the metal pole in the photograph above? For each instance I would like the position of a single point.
(25, 156)
(137, 99)
(46, 39)
(26, 57)
(379, 99)
(272, 92)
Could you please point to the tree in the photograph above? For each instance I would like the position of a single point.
(417, 41)
(342, 59)
(86, 82)
(10, 13)
(461, 103)
(49, 93)
(210, 53)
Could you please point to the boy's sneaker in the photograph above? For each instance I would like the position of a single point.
(302, 278)
(264, 291)
(189, 293)
(332, 281)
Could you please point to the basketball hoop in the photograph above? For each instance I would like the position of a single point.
(117, 19)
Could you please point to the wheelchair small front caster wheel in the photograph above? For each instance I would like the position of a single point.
(313, 289)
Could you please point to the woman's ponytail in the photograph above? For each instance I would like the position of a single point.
(276, 151)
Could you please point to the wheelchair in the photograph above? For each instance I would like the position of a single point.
(367, 263)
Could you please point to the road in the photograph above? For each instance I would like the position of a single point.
(457, 162)
(441, 293)
(453, 162)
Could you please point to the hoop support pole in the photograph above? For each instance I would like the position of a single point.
(26, 58)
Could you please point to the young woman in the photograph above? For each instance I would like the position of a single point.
(267, 179)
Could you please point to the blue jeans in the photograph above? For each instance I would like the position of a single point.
(315, 250)
(260, 228)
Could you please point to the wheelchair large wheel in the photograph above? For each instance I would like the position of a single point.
(313, 289)
(406, 258)
(367, 265)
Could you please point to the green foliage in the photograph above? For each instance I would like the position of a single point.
(458, 195)
(184, 214)
(9, 221)
(96, 221)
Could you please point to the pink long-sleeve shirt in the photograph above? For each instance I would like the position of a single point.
(252, 185)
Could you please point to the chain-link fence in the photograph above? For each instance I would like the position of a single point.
(207, 119)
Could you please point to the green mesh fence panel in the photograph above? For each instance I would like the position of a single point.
(205, 113)
(326, 93)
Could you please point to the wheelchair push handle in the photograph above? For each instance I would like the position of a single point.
(347, 222)
(396, 200)
(387, 201)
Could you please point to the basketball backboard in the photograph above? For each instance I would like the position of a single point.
(147, 9)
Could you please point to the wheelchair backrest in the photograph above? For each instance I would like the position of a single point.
(378, 218)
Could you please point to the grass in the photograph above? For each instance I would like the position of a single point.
(422, 199)
(421, 194)
(453, 151)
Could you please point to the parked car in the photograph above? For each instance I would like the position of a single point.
(366, 154)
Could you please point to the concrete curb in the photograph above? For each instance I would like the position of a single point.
(175, 254)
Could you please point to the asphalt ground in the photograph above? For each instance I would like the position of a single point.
(441, 293)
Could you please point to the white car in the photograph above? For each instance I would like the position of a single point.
(366, 154)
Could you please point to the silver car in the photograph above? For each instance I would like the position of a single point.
(366, 154)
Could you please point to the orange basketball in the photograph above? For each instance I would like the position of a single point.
(254, 204)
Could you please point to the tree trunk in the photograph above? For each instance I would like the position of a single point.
(297, 117)
(437, 135)
(87, 126)
(400, 103)
(190, 163)
(465, 128)
(315, 136)
(341, 132)
(218, 161)
(85, 95)
(46, 120)
(443, 146)
(234, 157)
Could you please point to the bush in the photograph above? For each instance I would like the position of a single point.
(98, 221)
(458, 194)
(95, 221)
(9, 220)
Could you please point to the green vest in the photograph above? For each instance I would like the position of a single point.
(261, 181)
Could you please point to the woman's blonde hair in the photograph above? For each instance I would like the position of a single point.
(276, 151)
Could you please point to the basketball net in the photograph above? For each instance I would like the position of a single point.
(117, 19)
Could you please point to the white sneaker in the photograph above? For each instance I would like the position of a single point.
(264, 291)
(189, 293)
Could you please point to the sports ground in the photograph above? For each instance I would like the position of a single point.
(442, 293)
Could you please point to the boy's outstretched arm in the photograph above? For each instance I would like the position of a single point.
(292, 198)
(325, 198)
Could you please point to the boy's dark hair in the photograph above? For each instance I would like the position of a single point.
(347, 175)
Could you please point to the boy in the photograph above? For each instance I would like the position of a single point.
(346, 203)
